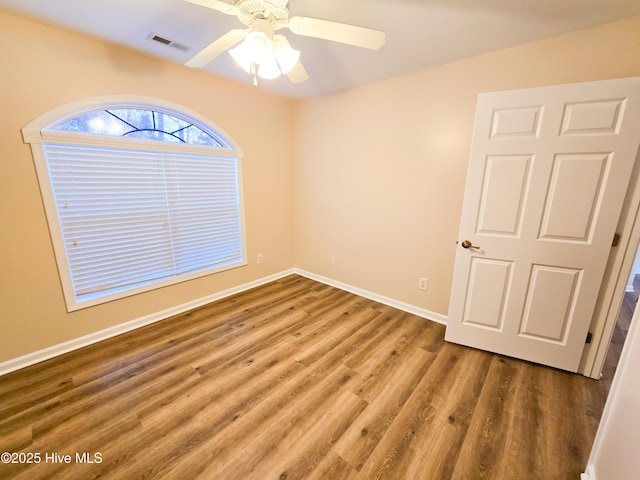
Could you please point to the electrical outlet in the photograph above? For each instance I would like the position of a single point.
(332, 260)
(259, 258)
(422, 283)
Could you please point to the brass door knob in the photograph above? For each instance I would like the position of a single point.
(468, 244)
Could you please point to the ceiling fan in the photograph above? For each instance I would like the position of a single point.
(266, 54)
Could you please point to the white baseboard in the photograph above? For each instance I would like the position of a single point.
(55, 350)
(421, 312)
(590, 473)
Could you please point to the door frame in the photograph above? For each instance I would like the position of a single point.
(615, 280)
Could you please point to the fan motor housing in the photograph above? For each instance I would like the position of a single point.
(263, 9)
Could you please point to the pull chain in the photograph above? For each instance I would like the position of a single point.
(253, 72)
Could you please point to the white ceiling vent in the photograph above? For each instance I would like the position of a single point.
(165, 41)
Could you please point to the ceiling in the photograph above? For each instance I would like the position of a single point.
(420, 33)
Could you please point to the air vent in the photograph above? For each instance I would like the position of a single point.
(165, 41)
(158, 38)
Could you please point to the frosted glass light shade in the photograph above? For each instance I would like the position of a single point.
(269, 68)
(259, 45)
(286, 56)
(242, 56)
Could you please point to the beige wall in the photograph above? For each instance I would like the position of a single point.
(373, 177)
(43, 68)
(380, 170)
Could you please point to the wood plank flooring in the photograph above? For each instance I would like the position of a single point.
(295, 379)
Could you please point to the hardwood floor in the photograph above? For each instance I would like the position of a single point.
(295, 379)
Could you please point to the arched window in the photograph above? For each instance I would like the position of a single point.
(139, 194)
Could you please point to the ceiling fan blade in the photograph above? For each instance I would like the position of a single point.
(218, 5)
(207, 54)
(337, 32)
(298, 74)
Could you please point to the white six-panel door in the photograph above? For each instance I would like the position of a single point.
(547, 177)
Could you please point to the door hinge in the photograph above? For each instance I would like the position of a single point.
(616, 240)
(589, 337)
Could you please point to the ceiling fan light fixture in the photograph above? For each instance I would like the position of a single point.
(267, 58)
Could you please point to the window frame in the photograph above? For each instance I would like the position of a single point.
(37, 135)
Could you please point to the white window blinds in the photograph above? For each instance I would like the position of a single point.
(130, 217)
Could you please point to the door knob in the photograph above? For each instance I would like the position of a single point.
(468, 244)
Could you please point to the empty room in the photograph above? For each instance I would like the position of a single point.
(271, 239)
